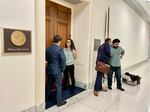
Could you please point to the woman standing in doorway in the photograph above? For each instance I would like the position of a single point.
(71, 55)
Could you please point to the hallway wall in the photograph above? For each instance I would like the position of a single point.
(17, 71)
(126, 25)
(132, 30)
(81, 38)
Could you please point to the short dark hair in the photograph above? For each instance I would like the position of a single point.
(57, 38)
(108, 39)
(116, 41)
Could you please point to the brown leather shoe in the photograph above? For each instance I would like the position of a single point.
(96, 93)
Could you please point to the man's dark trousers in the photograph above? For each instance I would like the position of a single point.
(117, 71)
(57, 78)
(98, 83)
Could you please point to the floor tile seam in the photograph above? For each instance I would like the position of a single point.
(112, 104)
(145, 98)
(94, 107)
(91, 107)
(74, 102)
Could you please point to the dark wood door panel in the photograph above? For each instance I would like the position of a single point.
(48, 33)
(62, 31)
(58, 22)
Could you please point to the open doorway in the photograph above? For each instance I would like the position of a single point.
(58, 22)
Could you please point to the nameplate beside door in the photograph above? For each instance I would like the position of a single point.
(16, 41)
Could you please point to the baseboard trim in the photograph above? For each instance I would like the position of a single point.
(80, 84)
(84, 85)
(39, 108)
(31, 109)
(135, 65)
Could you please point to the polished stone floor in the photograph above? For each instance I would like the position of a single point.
(134, 99)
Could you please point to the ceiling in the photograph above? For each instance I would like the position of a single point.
(145, 4)
(73, 1)
(141, 7)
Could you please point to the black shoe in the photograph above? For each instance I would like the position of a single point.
(65, 87)
(110, 88)
(61, 103)
(121, 88)
(48, 98)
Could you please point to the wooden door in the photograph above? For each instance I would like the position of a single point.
(58, 22)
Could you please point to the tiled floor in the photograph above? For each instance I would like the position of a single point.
(134, 99)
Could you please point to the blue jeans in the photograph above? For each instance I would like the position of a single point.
(117, 71)
(98, 82)
(57, 78)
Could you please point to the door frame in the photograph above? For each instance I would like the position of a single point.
(40, 55)
(40, 50)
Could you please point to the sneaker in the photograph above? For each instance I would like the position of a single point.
(96, 93)
(61, 103)
(120, 88)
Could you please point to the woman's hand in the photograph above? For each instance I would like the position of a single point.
(74, 54)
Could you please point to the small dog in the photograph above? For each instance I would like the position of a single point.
(132, 79)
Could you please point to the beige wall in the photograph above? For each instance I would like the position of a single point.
(132, 30)
(81, 37)
(17, 71)
(99, 10)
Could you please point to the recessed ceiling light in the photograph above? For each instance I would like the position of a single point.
(147, 0)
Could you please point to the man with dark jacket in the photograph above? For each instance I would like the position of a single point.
(103, 55)
(55, 58)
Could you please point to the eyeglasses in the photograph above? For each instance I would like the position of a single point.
(68, 42)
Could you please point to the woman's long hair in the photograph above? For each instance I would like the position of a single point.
(72, 46)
